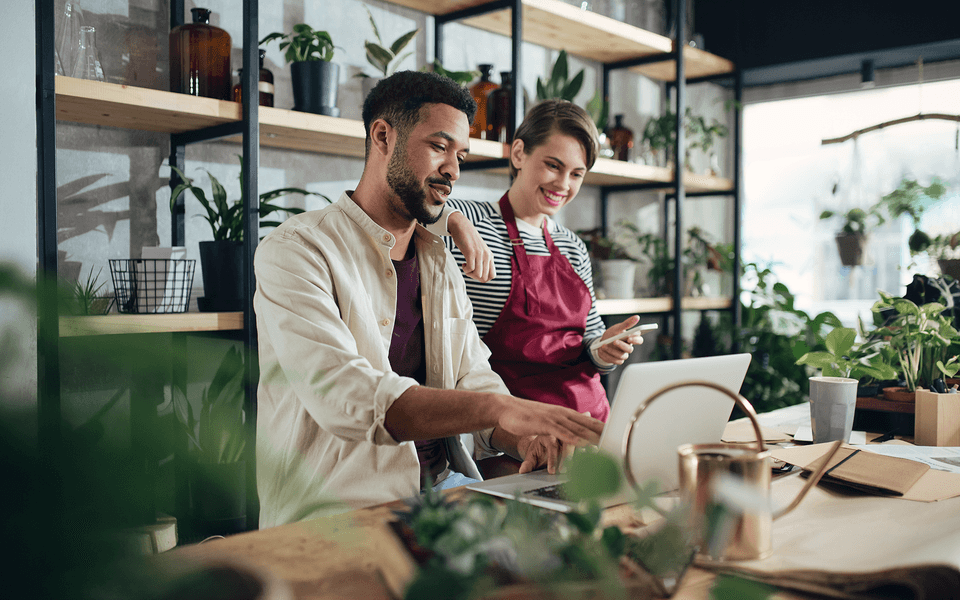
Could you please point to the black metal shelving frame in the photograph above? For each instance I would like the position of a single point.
(50, 442)
(679, 195)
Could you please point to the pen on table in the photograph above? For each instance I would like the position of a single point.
(883, 438)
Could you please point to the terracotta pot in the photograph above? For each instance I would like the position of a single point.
(899, 394)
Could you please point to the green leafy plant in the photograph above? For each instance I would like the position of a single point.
(385, 59)
(945, 246)
(559, 85)
(911, 198)
(83, 299)
(920, 336)
(226, 218)
(461, 77)
(843, 358)
(303, 44)
(470, 547)
(599, 110)
(217, 435)
(703, 135)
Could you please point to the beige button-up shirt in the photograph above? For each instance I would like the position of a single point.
(325, 304)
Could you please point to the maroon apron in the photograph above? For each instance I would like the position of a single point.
(537, 341)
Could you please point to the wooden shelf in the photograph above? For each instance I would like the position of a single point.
(554, 24)
(628, 306)
(164, 323)
(113, 105)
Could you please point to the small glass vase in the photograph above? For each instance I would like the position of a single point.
(87, 63)
(68, 37)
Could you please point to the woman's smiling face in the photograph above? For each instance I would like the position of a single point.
(548, 177)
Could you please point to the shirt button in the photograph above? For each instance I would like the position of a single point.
(386, 237)
(436, 326)
(436, 369)
(389, 273)
(385, 322)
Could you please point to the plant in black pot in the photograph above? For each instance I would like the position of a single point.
(222, 260)
(385, 59)
(216, 441)
(855, 227)
(316, 80)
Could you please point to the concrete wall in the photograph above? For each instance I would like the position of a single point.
(18, 244)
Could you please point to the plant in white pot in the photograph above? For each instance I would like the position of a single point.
(222, 260)
(316, 79)
(617, 267)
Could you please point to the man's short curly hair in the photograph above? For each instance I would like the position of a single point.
(399, 100)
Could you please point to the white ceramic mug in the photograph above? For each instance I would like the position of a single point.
(833, 401)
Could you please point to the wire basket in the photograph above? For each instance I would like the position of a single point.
(152, 285)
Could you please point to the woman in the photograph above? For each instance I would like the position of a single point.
(538, 314)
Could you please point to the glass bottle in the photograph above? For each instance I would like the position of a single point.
(68, 37)
(87, 63)
(499, 104)
(265, 86)
(200, 58)
(480, 91)
(621, 139)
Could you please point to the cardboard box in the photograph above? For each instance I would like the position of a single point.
(937, 420)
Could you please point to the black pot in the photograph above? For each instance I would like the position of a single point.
(223, 276)
(850, 247)
(218, 498)
(315, 86)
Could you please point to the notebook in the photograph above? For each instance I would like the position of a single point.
(695, 415)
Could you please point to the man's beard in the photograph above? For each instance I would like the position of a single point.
(403, 182)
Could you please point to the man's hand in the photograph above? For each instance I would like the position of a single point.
(617, 352)
(539, 450)
(479, 259)
(527, 418)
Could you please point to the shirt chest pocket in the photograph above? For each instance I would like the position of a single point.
(455, 334)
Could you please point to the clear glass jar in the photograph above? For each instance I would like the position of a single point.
(87, 62)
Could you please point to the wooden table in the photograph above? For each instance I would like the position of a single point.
(355, 555)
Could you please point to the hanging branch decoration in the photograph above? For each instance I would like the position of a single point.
(917, 117)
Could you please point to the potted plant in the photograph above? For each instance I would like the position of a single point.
(617, 267)
(559, 85)
(704, 136)
(385, 59)
(844, 358)
(911, 198)
(216, 439)
(84, 297)
(315, 77)
(221, 260)
(853, 233)
(921, 337)
(660, 136)
(945, 249)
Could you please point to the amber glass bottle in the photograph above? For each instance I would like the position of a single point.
(265, 85)
(621, 139)
(200, 58)
(480, 91)
(499, 104)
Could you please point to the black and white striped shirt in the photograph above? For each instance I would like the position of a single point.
(489, 298)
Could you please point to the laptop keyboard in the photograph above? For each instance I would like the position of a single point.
(556, 491)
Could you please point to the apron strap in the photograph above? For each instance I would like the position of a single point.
(531, 301)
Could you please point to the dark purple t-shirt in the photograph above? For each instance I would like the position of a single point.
(407, 355)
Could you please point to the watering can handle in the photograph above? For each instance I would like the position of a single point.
(811, 481)
(740, 401)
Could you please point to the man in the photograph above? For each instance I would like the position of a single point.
(371, 365)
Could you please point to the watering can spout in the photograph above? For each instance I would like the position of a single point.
(811, 481)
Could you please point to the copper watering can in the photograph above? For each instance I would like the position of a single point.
(705, 469)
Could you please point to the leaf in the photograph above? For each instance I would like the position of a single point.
(376, 32)
(378, 56)
(573, 87)
(402, 41)
(840, 341)
(559, 72)
(732, 587)
(593, 475)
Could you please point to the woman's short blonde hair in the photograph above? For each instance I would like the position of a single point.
(558, 116)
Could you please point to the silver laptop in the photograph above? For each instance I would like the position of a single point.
(695, 415)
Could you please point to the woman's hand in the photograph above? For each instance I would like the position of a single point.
(617, 352)
(479, 259)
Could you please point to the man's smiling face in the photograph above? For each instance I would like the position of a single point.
(426, 162)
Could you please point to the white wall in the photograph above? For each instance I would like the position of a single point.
(18, 244)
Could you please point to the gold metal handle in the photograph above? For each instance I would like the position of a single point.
(739, 400)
